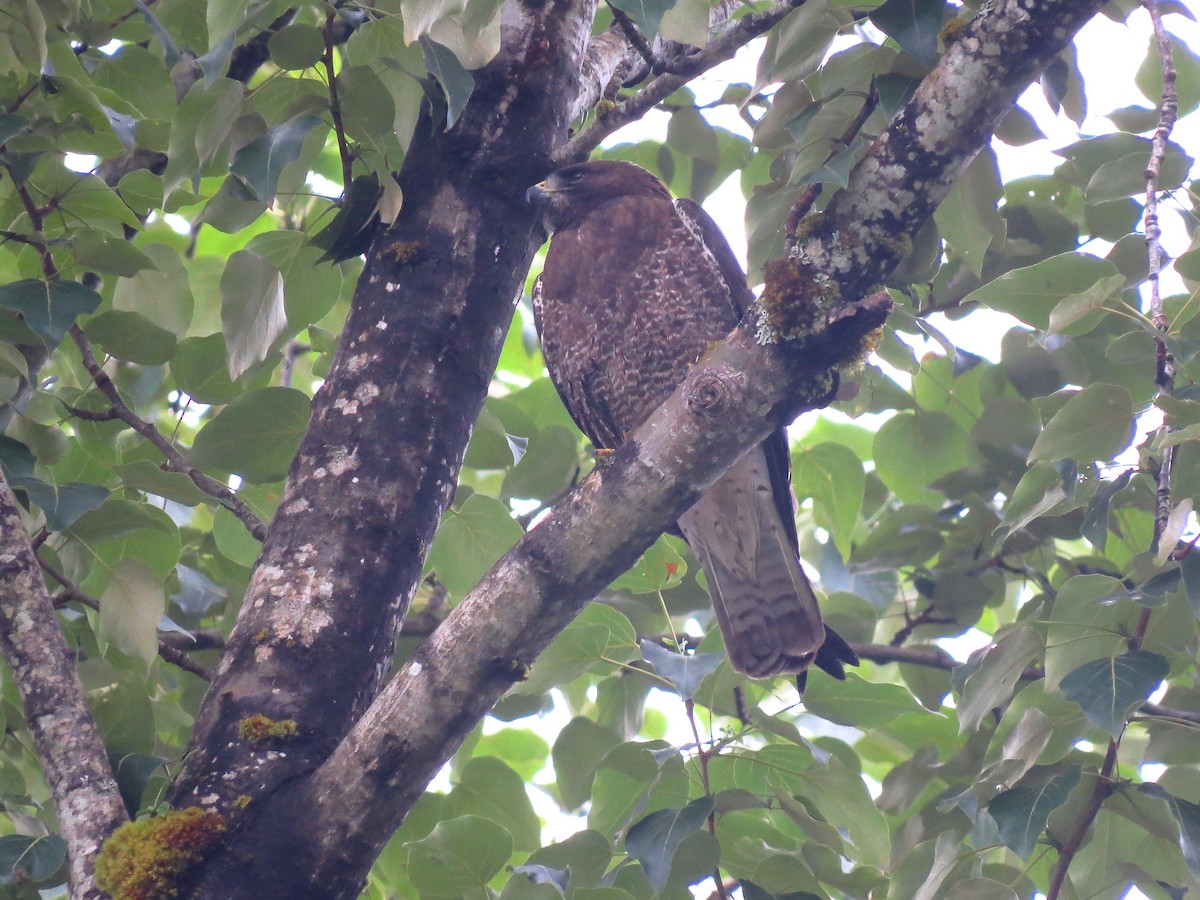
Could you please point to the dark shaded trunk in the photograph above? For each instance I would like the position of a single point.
(378, 466)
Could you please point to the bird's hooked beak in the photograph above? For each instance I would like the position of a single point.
(539, 192)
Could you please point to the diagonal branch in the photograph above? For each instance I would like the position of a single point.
(679, 72)
(73, 757)
(173, 458)
(729, 401)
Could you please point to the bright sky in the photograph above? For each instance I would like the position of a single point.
(1109, 56)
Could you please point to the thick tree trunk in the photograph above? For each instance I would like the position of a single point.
(73, 758)
(317, 629)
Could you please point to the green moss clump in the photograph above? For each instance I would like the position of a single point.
(155, 858)
(952, 31)
(406, 253)
(794, 301)
(260, 729)
(818, 223)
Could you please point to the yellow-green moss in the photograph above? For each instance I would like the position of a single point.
(813, 224)
(795, 299)
(260, 636)
(604, 107)
(260, 729)
(406, 253)
(155, 858)
(898, 246)
(242, 801)
(952, 31)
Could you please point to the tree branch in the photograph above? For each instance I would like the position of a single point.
(678, 73)
(729, 401)
(74, 761)
(72, 594)
(173, 458)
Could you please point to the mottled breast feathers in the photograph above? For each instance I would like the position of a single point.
(635, 288)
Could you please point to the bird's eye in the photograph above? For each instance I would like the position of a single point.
(572, 176)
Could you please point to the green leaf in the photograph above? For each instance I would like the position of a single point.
(1021, 811)
(1080, 313)
(460, 855)
(131, 336)
(130, 608)
(913, 24)
(16, 459)
(623, 780)
(1083, 625)
(684, 670)
(833, 476)
(1095, 517)
(1188, 816)
(842, 799)
(1032, 292)
(597, 634)
(470, 540)
(367, 108)
(659, 568)
(996, 674)
(309, 290)
(968, 217)
(201, 370)
(856, 701)
(62, 503)
(455, 81)
(200, 128)
(296, 46)
(50, 308)
(162, 294)
(25, 859)
(980, 889)
(260, 163)
(143, 475)
(578, 749)
(1126, 177)
(132, 772)
(233, 540)
(653, 840)
(255, 436)
(487, 787)
(913, 449)
(1110, 689)
(253, 316)
(646, 14)
(1187, 76)
(1039, 492)
(1095, 424)
(110, 255)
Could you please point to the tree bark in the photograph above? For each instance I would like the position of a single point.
(316, 632)
(74, 762)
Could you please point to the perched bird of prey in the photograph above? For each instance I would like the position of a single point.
(635, 288)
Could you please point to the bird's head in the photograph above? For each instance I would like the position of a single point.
(582, 189)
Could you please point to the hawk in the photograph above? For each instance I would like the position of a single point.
(635, 288)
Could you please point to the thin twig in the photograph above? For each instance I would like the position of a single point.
(174, 460)
(1066, 853)
(912, 623)
(1165, 374)
(808, 196)
(291, 353)
(636, 39)
(335, 107)
(676, 76)
(702, 757)
(71, 593)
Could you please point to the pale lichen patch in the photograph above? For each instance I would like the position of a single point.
(366, 392)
